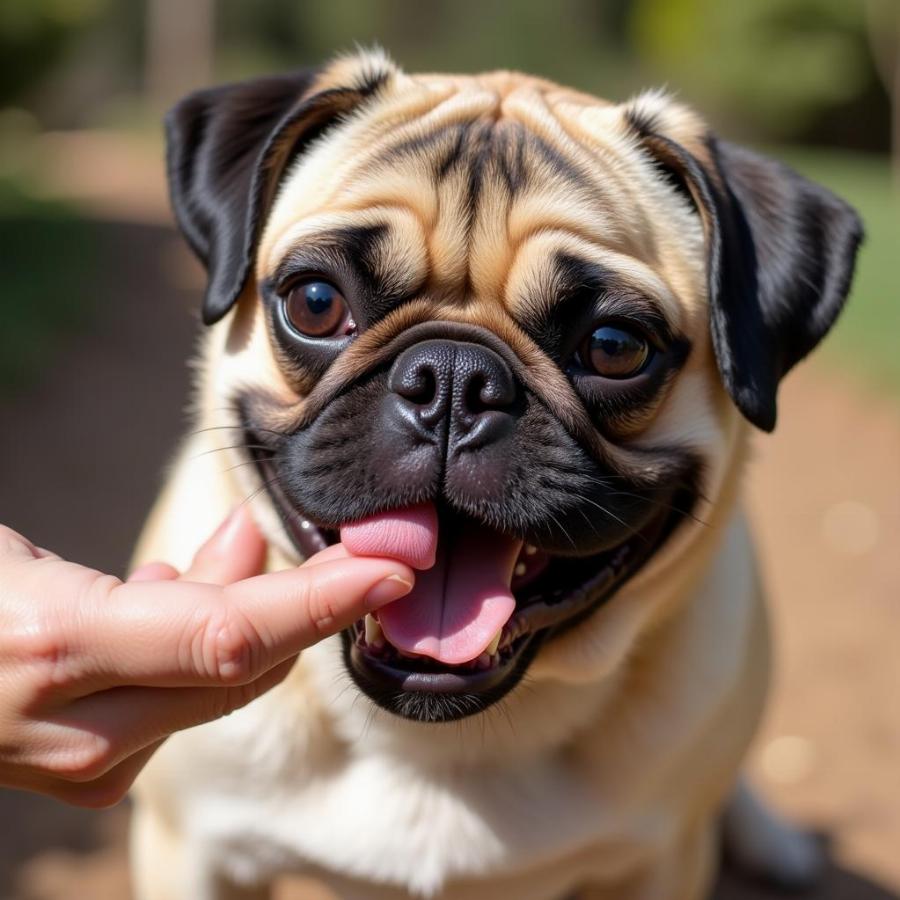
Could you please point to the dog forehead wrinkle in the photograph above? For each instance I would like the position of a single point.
(487, 163)
(534, 288)
(492, 161)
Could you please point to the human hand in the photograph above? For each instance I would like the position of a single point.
(96, 673)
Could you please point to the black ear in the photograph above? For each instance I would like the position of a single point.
(226, 148)
(779, 276)
(781, 256)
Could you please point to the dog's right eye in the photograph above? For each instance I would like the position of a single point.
(318, 309)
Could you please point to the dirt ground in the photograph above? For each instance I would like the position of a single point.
(81, 458)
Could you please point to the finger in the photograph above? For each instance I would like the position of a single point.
(154, 571)
(333, 551)
(118, 723)
(43, 553)
(292, 610)
(14, 546)
(178, 634)
(236, 550)
(103, 792)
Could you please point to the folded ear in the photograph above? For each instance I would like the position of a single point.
(787, 254)
(227, 148)
(781, 253)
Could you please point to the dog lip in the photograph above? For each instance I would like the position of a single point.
(453, 681)
(307, 537)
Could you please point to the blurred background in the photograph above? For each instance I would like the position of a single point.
(98, 316)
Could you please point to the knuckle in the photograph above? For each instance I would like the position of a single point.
(47, 639)
(12, 540)
(321, 610)
(239, 696)
(226, 701)
(45, 652)
(223, 702)
(231, 648)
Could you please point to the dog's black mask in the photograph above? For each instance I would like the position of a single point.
(447, 419)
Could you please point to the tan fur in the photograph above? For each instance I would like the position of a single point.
(606, 769)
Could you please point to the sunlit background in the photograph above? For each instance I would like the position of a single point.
(98, 302)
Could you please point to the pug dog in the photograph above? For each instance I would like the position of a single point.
(517, 336)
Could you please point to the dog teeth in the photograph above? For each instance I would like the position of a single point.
(491, 648)
(530, 550)
(374, 634)
(520, 569)
(508, 634)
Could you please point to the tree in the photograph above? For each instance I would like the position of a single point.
(770, 66)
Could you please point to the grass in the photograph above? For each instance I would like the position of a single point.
(48, 266)
(866, 339)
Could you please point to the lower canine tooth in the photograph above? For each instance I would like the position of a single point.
(491, 648)
(374, 634)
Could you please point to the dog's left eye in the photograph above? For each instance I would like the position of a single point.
(318, 309)
(615, 351)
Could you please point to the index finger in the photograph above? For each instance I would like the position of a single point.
(178, 633)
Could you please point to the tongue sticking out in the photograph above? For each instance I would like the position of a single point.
(462, 599)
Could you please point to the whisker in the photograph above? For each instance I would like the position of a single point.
(203, 453)
(563, 530)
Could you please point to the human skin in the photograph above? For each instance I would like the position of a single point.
(96, 673)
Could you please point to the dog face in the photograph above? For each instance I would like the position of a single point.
(499, 329)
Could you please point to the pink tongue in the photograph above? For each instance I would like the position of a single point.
(461, 601)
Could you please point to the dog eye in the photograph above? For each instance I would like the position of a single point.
(318, 309)
(613, 351)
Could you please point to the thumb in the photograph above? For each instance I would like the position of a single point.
(234, 551)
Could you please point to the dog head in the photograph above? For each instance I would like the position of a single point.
(498, 328)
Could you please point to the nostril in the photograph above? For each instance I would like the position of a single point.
(489, 390)
(474, 398)
(417, 384)
(423, 388)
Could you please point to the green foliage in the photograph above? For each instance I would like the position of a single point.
(34, 35)
(580, 42)
(48, 266)
(776, 63)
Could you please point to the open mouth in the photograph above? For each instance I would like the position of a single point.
(483, 603)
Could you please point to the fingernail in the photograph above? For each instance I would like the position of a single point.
(392, 588)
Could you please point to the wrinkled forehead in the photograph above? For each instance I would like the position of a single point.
(478, 186)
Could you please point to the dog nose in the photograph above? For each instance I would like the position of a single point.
(467, 385)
